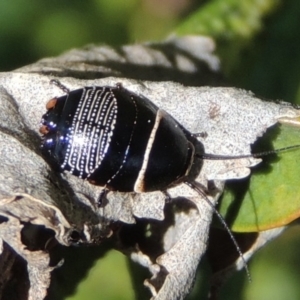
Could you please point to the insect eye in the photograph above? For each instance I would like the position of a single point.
(44, 129)
(51, 103)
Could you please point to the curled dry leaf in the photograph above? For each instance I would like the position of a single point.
(226, 120)
(21, 241)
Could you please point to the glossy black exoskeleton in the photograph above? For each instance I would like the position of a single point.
(117, 139)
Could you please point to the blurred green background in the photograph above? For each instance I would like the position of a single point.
(258, 42)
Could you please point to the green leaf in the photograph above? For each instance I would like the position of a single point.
(227, 18)
(270, 197)
(108, 279)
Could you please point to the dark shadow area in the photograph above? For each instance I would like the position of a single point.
(221, 251)
(201, 76)
(36, 237)
(3, 219)
(14, 278)
(76, 263)
(221, 254)
(147, 236)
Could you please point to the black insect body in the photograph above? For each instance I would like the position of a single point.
(117, 139)
(123, 142)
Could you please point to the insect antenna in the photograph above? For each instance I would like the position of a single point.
(201, 192)
(60, 85)
(255, 155)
